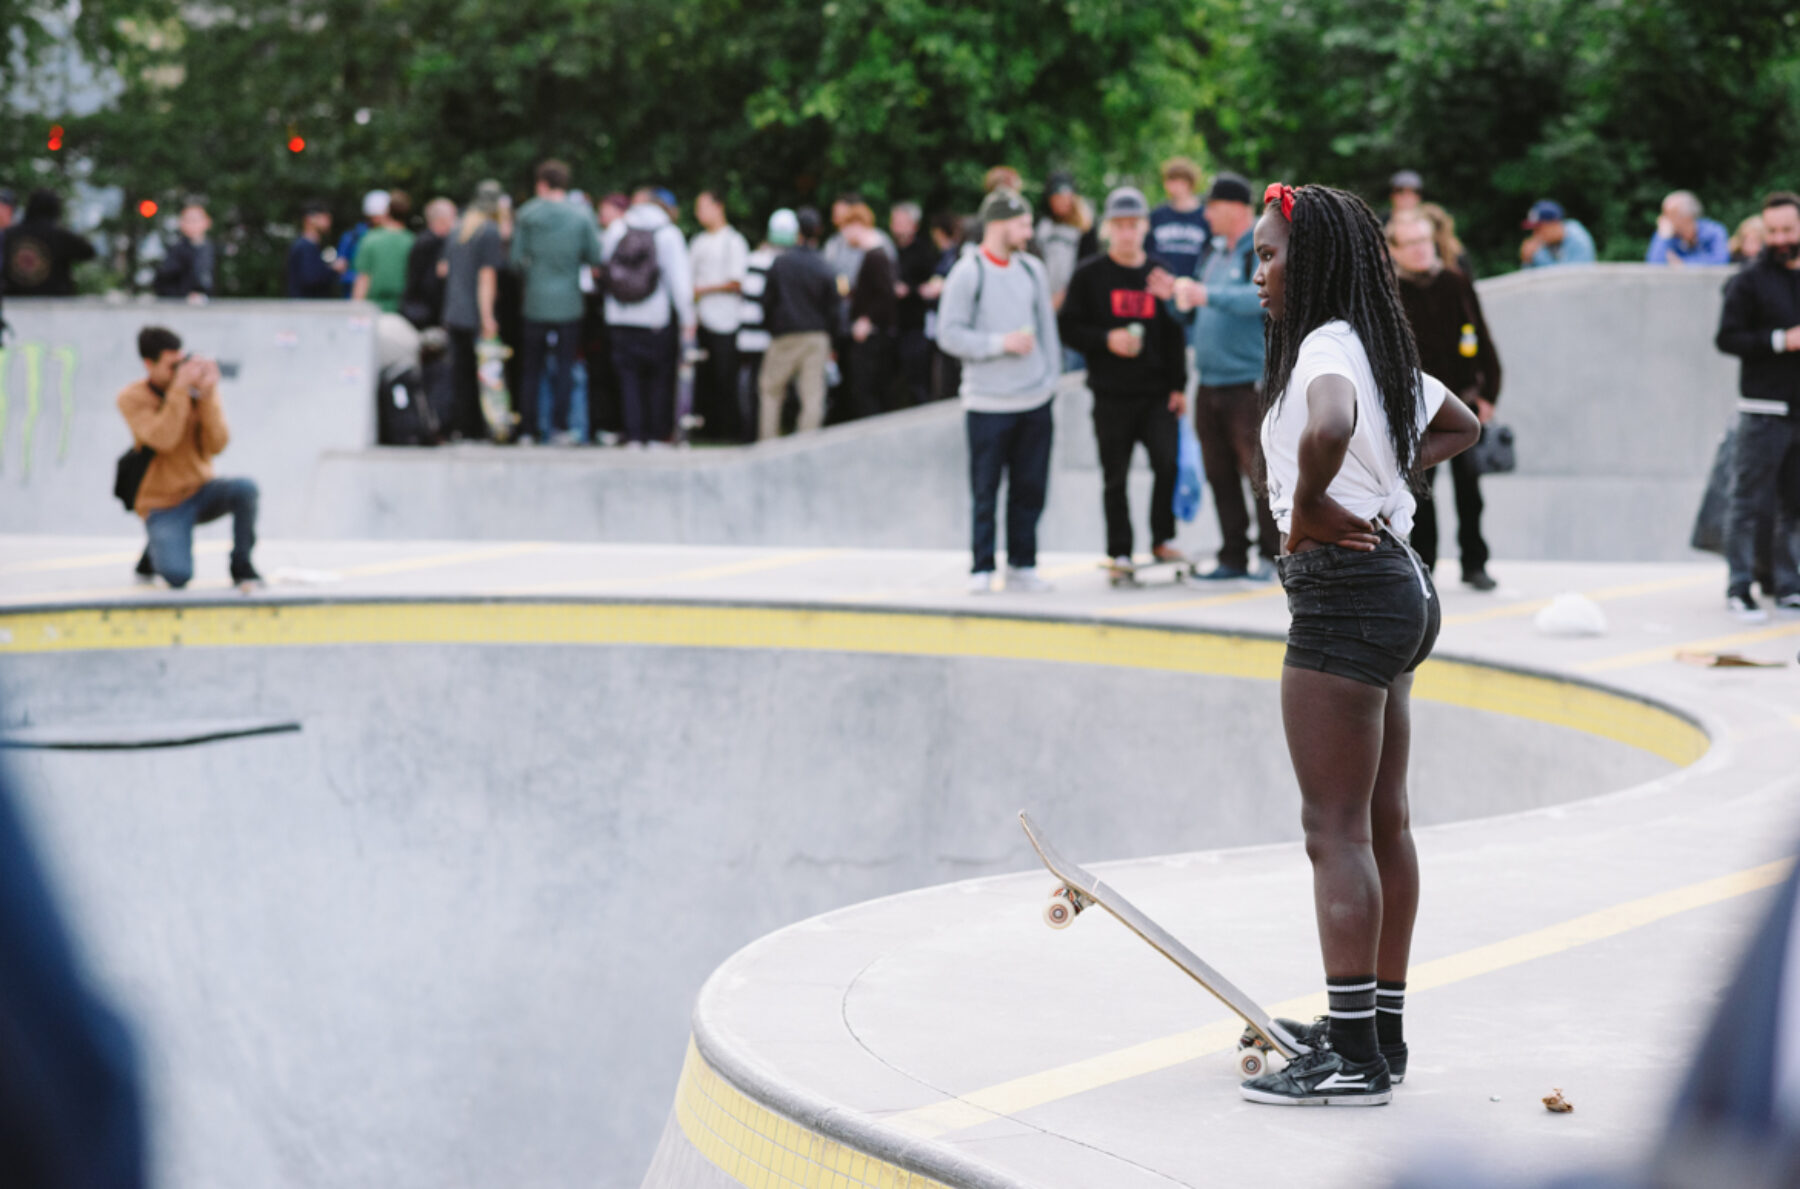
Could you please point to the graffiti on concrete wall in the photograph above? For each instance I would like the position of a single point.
(65, 361)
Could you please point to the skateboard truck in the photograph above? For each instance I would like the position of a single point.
(1066, 903)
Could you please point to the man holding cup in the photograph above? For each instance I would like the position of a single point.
(1137, 368)
(995, 315)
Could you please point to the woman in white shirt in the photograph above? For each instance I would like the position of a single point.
(1349, 424)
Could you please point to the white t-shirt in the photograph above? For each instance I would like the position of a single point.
(719, 257)
(1369, 484)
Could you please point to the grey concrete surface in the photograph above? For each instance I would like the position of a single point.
(449, 932)
(305, 387)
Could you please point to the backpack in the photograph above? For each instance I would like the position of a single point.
(633, 274)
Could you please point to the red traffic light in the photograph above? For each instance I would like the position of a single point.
(147, 208)
(296, 144)
(56, 137)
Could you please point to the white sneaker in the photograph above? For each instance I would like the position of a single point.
(1025, 580)
(1742, 605)
(1788, 602)
(981, 582)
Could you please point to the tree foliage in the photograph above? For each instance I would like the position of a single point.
(1603, 104)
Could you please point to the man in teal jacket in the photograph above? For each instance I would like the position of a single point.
(1228, 353)
(553, 241)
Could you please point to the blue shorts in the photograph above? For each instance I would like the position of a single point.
(1369, 616)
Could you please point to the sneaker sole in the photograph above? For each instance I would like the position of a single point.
(1380, 1098)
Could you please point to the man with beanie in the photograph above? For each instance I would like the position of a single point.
(1227, 336)
(800, 305)
(1137, 369)
(996, 316)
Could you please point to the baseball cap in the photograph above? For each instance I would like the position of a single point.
(1407, 179)
(1059, 182)
(1003, 204)
(1543, 211)
(665, 196)
(784, 228)
(1229, 187)
(1125, 202)
(375, 203)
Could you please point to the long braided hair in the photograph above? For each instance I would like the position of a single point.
(1338, 268)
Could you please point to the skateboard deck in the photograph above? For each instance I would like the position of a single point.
(1082, 888)
(496, 402)
(1136, 573)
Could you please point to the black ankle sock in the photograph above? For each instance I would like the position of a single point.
(1390, 1001)
(1352, 1002)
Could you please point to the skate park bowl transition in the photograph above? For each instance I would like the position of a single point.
(420, 893)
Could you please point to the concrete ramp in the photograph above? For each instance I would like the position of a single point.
(448, 932)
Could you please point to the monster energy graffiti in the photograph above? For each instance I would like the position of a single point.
(67, 361)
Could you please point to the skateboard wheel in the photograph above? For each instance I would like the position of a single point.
(1251, 1063)
(1059, 913)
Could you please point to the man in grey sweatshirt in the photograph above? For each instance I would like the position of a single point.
(996, 316)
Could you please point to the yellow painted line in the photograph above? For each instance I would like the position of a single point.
(93, 561)
(1649, 656)
(1604, 594)
(252, 623)
(760, 1149)
(1242, 596)
(755, 565)
(408, 565)
(1022, 1094)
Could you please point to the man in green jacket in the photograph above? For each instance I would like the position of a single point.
(553, 241)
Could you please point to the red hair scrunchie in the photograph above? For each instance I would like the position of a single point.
(1280, 191)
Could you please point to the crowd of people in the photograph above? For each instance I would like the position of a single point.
(622, 329)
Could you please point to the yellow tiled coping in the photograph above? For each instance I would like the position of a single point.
(1548, 699)
(760, 1149)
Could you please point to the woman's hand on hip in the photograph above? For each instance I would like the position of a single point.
(1328, 522)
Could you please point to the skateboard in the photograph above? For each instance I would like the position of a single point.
(1081, 890)
(1134, 574)
(496, 402)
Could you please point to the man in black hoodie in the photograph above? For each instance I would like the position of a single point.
(1137, 369)
(40, 256)
(1760, 324)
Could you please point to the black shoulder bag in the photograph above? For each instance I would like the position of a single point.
(128, 476)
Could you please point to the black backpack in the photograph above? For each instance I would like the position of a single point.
(633, 274)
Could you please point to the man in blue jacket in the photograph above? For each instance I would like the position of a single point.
(1228, 351)
(1683, 237)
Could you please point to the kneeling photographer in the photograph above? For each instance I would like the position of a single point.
(177, 427)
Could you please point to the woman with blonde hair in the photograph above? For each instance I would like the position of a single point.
(1747, 241)
(473, 258)
(1450, 250)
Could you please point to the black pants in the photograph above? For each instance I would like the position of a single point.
(868, 370)
(946, 375)
(465, 413)
(1121, 421)
(540, 340)
(1016, 447)
(716, 387)
(748, 393)
(645, 363)
(1468, 518)
(914, 351)
(1765, 503)
(1228, 420)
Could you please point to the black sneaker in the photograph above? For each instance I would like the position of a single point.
(145, 571)
(1743, 605)
(1479, 580)
(245, 575)
(1223, 573)
(1317, 1035)
(1323, 1078)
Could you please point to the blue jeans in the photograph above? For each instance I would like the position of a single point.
(172, 529)
(1016, 445)
(542, 342)
(578, 397)
(1765, 478)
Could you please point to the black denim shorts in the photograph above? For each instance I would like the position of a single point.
(1366, 616)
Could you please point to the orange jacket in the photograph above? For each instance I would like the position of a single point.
(184, 430)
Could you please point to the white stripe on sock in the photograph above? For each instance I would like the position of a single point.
(1395, 994)
(1392, 1011)
(1352, 1015)
(1334, 989)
